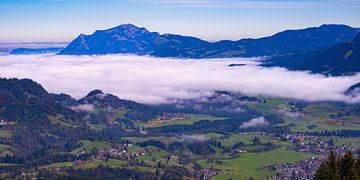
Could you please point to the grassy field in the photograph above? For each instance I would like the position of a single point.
(4, 147)
(118, 113)
(252, 164)
(169, 140)
(246, 139)
(322, 124)
(192, 119)
(57, 120)
(94, 164)
(318, 114)
(97, 127)
(270, 107)
(163, 139)
(5, 134)
(153, 153)
(5, 150)
(89, 145)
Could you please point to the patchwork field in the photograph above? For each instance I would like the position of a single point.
(192, 118)
(254, 164)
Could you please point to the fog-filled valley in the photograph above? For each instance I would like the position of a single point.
(180, 89)
(152, 80)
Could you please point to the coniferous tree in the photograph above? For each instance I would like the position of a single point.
(329, 170)
(333, 165)
(322, 173)
(347, 166)
(357, 168)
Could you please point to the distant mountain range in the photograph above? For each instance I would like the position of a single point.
(28, 51)
(341, 59)
(7, 47)
(129, 39)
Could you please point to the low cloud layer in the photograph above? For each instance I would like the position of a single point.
(154, 80)
(84, 107)
(255, 122)
(195, 138)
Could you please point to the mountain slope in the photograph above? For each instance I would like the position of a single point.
(300, 40)
(33, 118)
(131, 39)
(341, 59)
(122, 39)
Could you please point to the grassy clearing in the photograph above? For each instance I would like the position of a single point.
(246, 139)
(94, 164)
(5, 150)
(322, 124)
(4, 147)
(163, 139)
(60, 165)
(97, 127)
(91, 165)
(154, 155)
(252, 164)
(118, 113)
(57, 120)
(5, 164)
(5, 134)
(90, 145)
(270, 107)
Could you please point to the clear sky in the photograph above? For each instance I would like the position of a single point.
(63, 20)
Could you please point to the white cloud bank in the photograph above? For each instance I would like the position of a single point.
(255, 122)
(154, 80)
(84, 107)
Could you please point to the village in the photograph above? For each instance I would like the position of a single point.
(119, 152)
(173, 116)
(305, 169)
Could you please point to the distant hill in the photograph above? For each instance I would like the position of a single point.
(341, 59)
(28, 51)
(131, 39)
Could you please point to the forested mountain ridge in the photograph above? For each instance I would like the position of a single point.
(35, 119)
(340, 59)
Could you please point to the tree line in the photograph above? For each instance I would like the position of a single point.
(335, 167)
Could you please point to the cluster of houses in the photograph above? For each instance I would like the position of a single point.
(306, 169)
(208, 173)
(303, 170)
(120, 152)
(4, 122)
(173, 116)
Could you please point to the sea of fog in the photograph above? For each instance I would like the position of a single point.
(157, 80)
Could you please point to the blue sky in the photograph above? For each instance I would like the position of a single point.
(63, 20)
